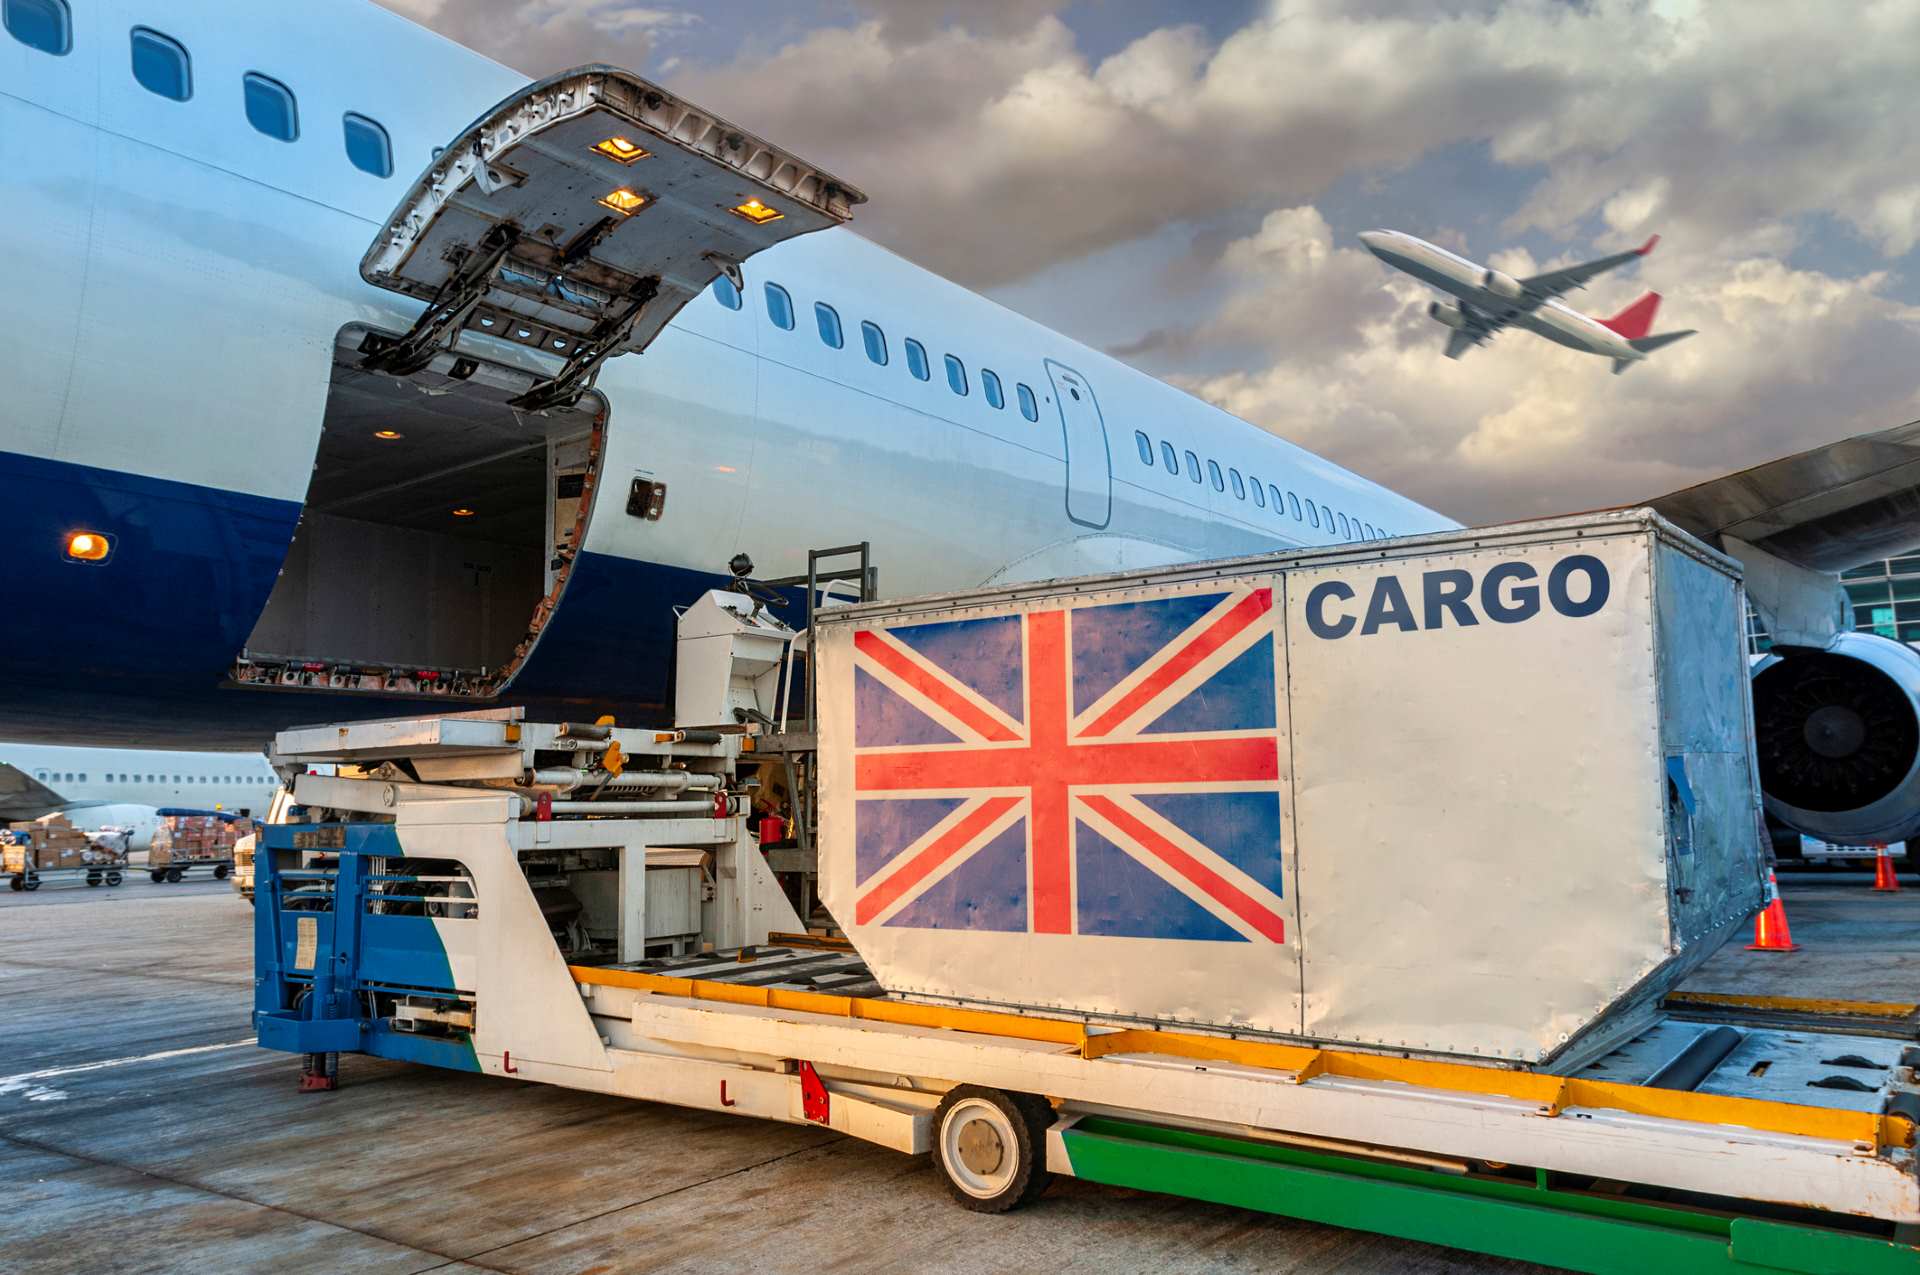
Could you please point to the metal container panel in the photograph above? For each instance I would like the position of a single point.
(1072, 801)
(1482, 842)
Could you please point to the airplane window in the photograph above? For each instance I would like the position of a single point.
(1239, 488)
(1326, 516)
(1193, 466)
(39, 774)
(990, 386)
(725, 293)
(271, 108)
(1030, 408)
(1313, 515)
(161, 65)
(876, 342)
(828, 320)
(1345, 529)
(779, 307)
(1259, 497)
(1167, 458)
(1145, 445)
(40, 24)
(1213, 472)
(367, 145)
(917, 359)
(1278, 508)
(83, 776)
(1293, 504)
(956, 375)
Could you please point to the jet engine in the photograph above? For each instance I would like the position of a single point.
(1838, 735)
(1502, 285)
(1448, 313)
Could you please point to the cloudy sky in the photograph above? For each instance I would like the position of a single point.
(1180, 185)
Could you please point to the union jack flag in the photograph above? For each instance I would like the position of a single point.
(1106, 770)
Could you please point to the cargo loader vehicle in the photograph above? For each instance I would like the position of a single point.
(1343, 884)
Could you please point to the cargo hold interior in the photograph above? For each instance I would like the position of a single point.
(438, 527)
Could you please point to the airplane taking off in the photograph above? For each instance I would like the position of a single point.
(1490, 300)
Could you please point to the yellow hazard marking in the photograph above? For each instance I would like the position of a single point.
(1300, 1064)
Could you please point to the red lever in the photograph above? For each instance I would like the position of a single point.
(543, 808)
(815, 1104)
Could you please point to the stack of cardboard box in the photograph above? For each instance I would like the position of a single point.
(50, 843)
(183, 839)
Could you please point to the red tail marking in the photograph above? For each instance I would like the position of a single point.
(1636, 320)
(1646, 247)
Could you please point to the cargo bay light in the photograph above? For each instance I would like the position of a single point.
(421, 910)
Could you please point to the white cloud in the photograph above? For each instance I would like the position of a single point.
(1785, 359)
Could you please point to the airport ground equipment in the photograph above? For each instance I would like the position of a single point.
(454, 897)
(1485, 793)
(51, 850)
(189, 843)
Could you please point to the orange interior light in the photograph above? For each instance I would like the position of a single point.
(386, 435)
(88, 546)
(463, 512)
(624, 201)
(622, 150)
(756, 212)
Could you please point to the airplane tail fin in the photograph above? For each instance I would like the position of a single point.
(1636, 320)
(1648, 344)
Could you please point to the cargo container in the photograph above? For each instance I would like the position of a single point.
(51, 849)
(1483, 794)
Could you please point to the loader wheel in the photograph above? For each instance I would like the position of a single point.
(113, 878)
(13, 883)
(32, 883)
(991, 1147)
(158, 875)
(220, 872)
(93, 878)
(173, 875)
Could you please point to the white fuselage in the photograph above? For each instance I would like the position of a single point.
(126, 788)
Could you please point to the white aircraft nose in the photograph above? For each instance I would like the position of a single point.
(1376, 240)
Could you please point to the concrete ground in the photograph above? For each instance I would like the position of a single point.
(141, 1130)
(1855, 945)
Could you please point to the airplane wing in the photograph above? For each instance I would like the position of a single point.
(1460, 340)
(23, 797)
(1798, 521)
(1570, 278)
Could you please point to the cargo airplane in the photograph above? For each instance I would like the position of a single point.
(1487, 300)
(348, 372)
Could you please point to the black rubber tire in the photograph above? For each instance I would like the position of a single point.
(13, 883)
(93, 878)
(113, 878)
(1023, 1113)
(29, 885)
(174, 875)
(158, 875)
(220, 872)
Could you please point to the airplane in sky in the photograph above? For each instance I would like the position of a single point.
(332, 390)
(1488, 300)
(127, 789)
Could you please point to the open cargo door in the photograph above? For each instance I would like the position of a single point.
(578, 216)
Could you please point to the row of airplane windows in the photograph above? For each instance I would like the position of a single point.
(162, 66)
(780, 313)
(1321, 518)
(80, 777)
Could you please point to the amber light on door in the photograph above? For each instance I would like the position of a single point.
(88, 546)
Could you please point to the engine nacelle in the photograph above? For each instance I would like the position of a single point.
(1838, 735)
(1502, 285)
(1448, 313)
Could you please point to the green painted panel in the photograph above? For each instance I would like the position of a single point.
(1605, 1235)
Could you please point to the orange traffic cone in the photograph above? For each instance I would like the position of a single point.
(1883, 878)
(1770, 932)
